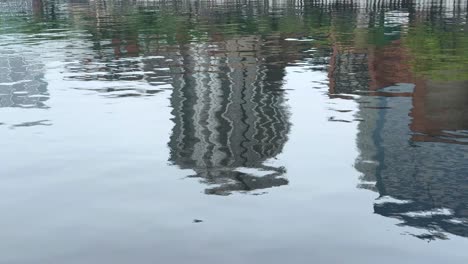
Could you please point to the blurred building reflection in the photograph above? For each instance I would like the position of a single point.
(21, 82)
(428, 179)
(414, 131)
(21, 70)
(225, 61)
(229, 112)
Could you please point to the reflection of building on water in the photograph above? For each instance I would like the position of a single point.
(440, 112)
(348, 72)
(37, 8)
(429, 176)
(403, 138)
(21, 6)
(21, 72)
(229, 113)
(120, 63)
(21, 82)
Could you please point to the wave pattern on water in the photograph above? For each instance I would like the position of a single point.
(404, 62)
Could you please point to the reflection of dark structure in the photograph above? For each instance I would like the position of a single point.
(403, 137)
(229, 113)
(349, 72)
(429, 177)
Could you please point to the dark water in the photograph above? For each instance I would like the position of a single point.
(233, 132)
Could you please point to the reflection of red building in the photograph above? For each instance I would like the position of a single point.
(400, 108)
(125, 45)
(437, 106)
(389, 65)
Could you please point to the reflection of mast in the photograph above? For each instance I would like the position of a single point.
(228, 114)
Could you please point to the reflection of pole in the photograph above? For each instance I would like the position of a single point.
(411, 13)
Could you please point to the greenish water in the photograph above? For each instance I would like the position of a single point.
(233, 131)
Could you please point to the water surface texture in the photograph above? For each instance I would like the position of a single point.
(233, 131)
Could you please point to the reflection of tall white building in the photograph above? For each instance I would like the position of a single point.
(229, 113)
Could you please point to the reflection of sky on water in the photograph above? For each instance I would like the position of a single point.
(124, 117)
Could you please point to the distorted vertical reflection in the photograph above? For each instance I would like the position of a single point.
(229, 113)
(405, 62)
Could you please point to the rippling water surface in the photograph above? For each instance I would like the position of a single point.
(233, 131)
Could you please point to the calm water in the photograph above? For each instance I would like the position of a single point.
(233, 132)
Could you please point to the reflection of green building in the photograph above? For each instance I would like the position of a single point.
(229, 113)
